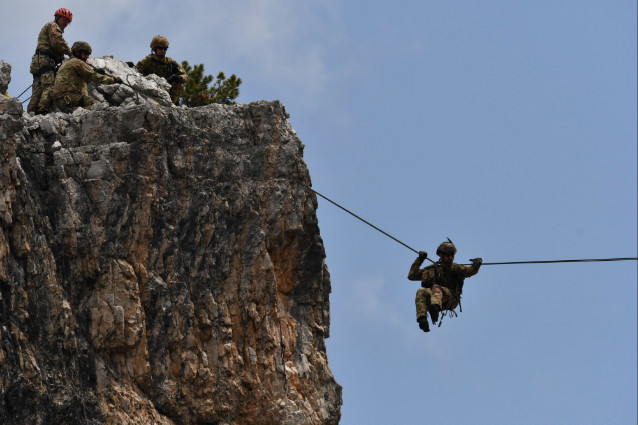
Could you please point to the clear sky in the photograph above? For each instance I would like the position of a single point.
(507, 125)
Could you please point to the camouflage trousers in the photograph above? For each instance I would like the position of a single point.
(438, 295)
(40, 102)
(70, 101)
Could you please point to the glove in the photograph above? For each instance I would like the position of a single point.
(423, 255)
(476, 262)
(174, 79)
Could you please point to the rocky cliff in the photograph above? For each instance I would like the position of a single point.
(160, 265)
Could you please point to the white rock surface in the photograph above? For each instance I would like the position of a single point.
(136, 90)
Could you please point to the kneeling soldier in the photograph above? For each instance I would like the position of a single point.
(70, 90)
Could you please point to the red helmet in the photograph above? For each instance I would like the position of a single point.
(66, 13)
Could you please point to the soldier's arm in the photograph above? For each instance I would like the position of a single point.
(416, 273)
(141, 66)
(182, 74)
(90, 74)
(178, 71)
(468, 271)
(57, 41)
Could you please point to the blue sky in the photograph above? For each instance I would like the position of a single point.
(508, 126)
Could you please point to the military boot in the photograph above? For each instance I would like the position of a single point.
(423, 324)
(434, 310)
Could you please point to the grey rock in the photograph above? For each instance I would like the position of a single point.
(5, 76)
(136, 89)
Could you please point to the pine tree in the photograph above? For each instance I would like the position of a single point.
(197, 91)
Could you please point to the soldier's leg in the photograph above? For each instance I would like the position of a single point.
(87, 102)
(449, 301)
(47, 80)
(437, 301)
(36, 94)
(437, 295)
(36, 89)
(62, 104)
(422, 301)
(69, 102)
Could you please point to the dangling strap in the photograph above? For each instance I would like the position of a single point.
(452, 313)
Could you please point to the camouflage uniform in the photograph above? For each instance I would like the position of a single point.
(441, 283)
(164, 67)
(70, 89)
(49, 53)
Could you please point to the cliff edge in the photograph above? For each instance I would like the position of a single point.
(161, 266)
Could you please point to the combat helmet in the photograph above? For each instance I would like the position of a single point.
(159, 41)
(65, 13)
(446, 248)
(80, 46)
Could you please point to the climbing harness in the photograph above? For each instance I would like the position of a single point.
(483, 264)
(451, 313)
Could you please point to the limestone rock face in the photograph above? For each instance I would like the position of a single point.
(161, 266)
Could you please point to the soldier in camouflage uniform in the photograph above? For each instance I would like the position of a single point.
(49, 53)
(442, 283)
(70, 90)
(159, 64)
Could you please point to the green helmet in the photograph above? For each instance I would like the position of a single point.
(159, 41)
(446, 248)
(79, 46)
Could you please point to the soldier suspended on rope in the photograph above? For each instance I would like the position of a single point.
(442, 283)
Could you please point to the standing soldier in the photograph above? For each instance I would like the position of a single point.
(442, 283)
(49, 53)
(70, 90)
(159, 64)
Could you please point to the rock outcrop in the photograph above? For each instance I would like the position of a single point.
(160, 266)
(5, 76)
(136, 89)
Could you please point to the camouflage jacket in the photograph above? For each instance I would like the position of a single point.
(51, 42)
(450, 276)
(164, 67)
(73, 76)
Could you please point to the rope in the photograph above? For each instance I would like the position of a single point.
(366, 222)
(484, 264)
(589, 260)
(25, 90)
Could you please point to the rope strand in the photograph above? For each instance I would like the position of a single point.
(484, 264)
(588, 260)
(25, 90)
(369, 224)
